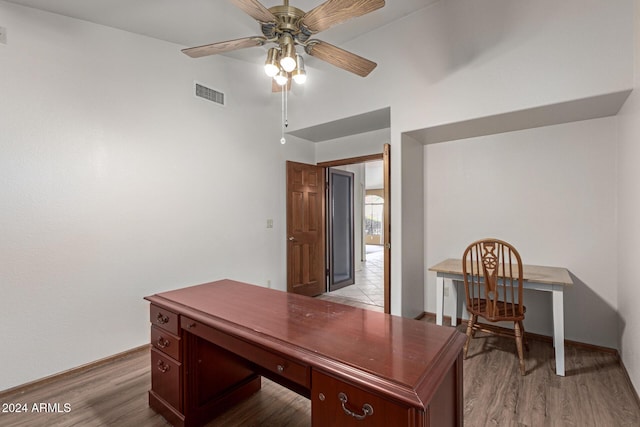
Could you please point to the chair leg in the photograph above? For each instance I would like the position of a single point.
(525, 341)
(518, 330)
(470, 333)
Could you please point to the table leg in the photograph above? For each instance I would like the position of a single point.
(453, 293)
(439, 299)
(558, 330)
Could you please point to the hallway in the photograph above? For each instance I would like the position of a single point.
(369, 285)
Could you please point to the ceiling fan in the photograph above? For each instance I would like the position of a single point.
(287, 27)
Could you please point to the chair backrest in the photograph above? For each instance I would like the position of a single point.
(492, 271)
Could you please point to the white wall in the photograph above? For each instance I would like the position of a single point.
(629, 222)
(362, 144)
(116, 183)
(411, 231)
(551, 193)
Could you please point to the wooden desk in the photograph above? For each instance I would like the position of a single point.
(540, 278)
(213, 342)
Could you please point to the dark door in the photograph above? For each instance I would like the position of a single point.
(341, 222)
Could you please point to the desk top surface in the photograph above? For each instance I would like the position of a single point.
(531, 273)
(404, 351)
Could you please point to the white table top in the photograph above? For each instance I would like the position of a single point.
(530, 273)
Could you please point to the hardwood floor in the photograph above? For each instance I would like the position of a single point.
(595, 392)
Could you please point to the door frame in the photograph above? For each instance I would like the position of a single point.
(385, 156)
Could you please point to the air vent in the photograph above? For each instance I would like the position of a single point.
(209, 94)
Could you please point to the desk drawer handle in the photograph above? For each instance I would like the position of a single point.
(280, 368)
(162, 319)
(162, 343)
(366, 408)
(163, 367)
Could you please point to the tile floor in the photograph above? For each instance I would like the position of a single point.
(369, 287)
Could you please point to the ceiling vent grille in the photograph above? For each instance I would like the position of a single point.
(209, 94)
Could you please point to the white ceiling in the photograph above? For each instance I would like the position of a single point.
(197, 22)
(547, 115)
(190, 23)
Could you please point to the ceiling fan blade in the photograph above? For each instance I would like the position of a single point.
(340, 58)
(221, 47)
(333, 12)
(255, 9)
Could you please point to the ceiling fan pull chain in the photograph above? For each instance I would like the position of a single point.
(283, 140)
(286, 108)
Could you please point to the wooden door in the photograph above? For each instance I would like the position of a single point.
(305, 229)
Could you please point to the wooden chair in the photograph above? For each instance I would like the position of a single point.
(492, 271)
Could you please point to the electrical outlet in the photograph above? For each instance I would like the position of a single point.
(3, 35)
(268, 283)
(269, 223)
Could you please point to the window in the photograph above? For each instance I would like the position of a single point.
(374, 216)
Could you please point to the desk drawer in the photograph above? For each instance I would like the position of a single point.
(166, 342)
(274, 362)
(164, 319)
(338, 403)
(166, 378)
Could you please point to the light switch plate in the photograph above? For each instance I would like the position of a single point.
(3, 35)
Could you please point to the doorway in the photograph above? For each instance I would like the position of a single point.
(306, 230)
(371, 234)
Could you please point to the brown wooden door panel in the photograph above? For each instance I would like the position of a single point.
(297, 200)
(305, 229)
(313, 217)
(305, 258)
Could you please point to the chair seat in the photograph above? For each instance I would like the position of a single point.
(504, 311)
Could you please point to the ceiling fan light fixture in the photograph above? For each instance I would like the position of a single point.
(299, 74)
(288, 63)
(271, 64)
(288, 56)
(281, 78)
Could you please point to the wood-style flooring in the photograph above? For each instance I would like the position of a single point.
(595, 392)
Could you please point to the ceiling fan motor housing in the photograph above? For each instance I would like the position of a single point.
(287, 21)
